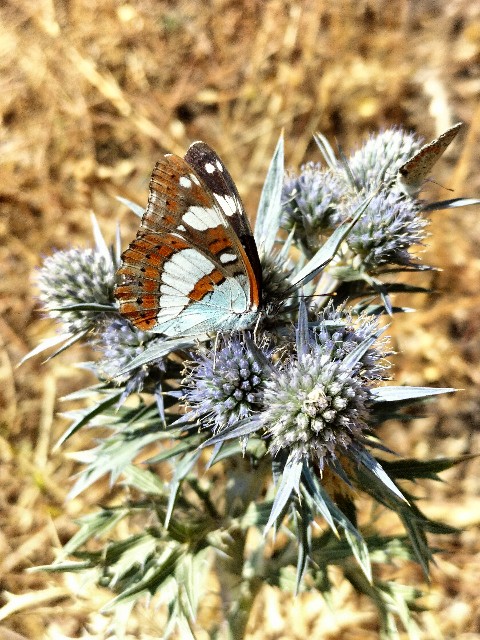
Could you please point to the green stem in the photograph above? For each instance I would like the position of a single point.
(238, 592)
(239, 584)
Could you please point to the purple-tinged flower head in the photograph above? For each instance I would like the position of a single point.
(120, 343)
(389, 227)
(310, 203)
(380, 157)
(77, 277)
(317, 402)
(225, 384)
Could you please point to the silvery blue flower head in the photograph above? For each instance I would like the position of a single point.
(379, 158)
(340, 332)
(389, 227)
(76, 277)
(317, 402)
(225, 384)
(310, 203)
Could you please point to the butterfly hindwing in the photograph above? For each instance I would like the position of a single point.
(186, 271)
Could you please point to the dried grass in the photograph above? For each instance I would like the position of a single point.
(92, 92)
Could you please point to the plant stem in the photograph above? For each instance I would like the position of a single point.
(239, 584)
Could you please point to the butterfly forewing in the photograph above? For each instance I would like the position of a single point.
(412, 174)
(187, 271)
(216, 177)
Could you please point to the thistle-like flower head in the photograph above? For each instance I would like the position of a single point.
(339, 331)
(226, 385)
(386, 231)
(380, 157)
(120, 343)
(310, 203)
(76, 277)
(316, 404)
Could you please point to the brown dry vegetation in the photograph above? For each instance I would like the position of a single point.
(92, 92)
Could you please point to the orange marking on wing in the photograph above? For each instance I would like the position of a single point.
(132, 255)
(151, 273)
(254, 288)
(126, 273)
(200, 195)
(206, 284)
(145, 324)
(217, 240)
(150, 286)
(147, 301)
(124, 292)
(129, 309)
(143, 320)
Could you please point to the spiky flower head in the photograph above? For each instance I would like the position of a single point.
(310, 203)
(317, 403)
(120, 343)
(77, 277)
(380, 157)
(388, 228)
(225, 385)
(340, 332)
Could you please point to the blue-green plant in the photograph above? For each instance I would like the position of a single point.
(288, 412)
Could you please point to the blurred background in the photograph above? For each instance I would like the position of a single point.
(92, 93)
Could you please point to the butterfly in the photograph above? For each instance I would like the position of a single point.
(412, 174)
(193, 267)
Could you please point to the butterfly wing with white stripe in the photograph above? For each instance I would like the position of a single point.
(215, 175)
(187, 271)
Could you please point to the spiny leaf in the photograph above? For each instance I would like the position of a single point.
(182, 469)
(270, 206)
(289, 483)
(89, 414)
(396, 394)
(328, 250)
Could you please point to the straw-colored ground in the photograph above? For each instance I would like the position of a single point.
(92, 93)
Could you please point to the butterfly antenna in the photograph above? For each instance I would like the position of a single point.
(442, 186)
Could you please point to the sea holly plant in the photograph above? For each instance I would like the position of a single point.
(270, 430)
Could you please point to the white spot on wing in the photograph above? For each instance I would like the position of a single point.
(219, 166)
(209, 168)
(185, 182)
(228, 204)
(189, 265)
(195, 179)
(201, 218)
(173, 284)
(225, 258)
(171, 306)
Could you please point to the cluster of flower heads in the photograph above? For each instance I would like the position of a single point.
(317, 200)
(311, 399)
(314, 400)
(119, 343)
(304, 386)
